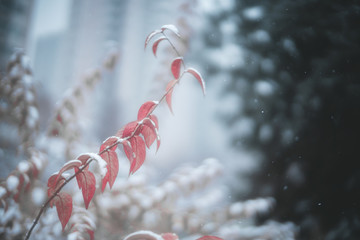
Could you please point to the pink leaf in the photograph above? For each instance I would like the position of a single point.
(54, 182)
(156, 44)
(169, 236)
(150, 36)
(104, 181)
(149, 132)
(169, 90)
(146, 109)
(155, 120)
(109, 142)
(172, 28)
(197, 75)
(67, 166)
(64, 206)
(83, 158)
(86, 181)
(128, 150)
(112, 161)
(176, 66)
(209, 238)
(129, 129)
(138, 147)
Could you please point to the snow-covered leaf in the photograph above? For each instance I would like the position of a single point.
(156, 44)
(176, 67)
(110, 141)
(172, 28)
(146, 109)
(83, 158)
(150, 36)
(169, 236)
(129, 129)
(155, 120)
(63, 203)
(86, 181)
(198, 76)
(69, 165)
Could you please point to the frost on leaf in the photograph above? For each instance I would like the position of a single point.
(138, 148)
(155, 120)
(146, 109)
(110, 141)
(176, 67)
(156, 44)
(63, 203)
(172, 28)
(169, 90)
(67, 166)
(128, 130)
(209, 238)
(197, 75)
(86, 181)
(150, 36)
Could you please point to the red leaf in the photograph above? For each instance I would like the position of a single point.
(104, 181)
(129, 129)
(150, 36)
(67, 166)
(169, 90)
(149, 132)
(86, 181)
(54, 182)
(156, 44)
(197, 75)
(138, 147)
(112, 161)
(91, 233)
(176, 66)
(83, 158)
(128, 150)
(63, 203)
(169, 236)
(146, 108)
(172, 28)
(109, 142)
(155, 120)
(209, 238)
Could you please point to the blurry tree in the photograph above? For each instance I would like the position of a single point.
(294, 68)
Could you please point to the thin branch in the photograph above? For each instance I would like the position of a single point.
(173, 47)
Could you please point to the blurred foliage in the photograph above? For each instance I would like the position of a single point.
(294, 68)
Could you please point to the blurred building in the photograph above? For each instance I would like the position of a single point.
(14, 26)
